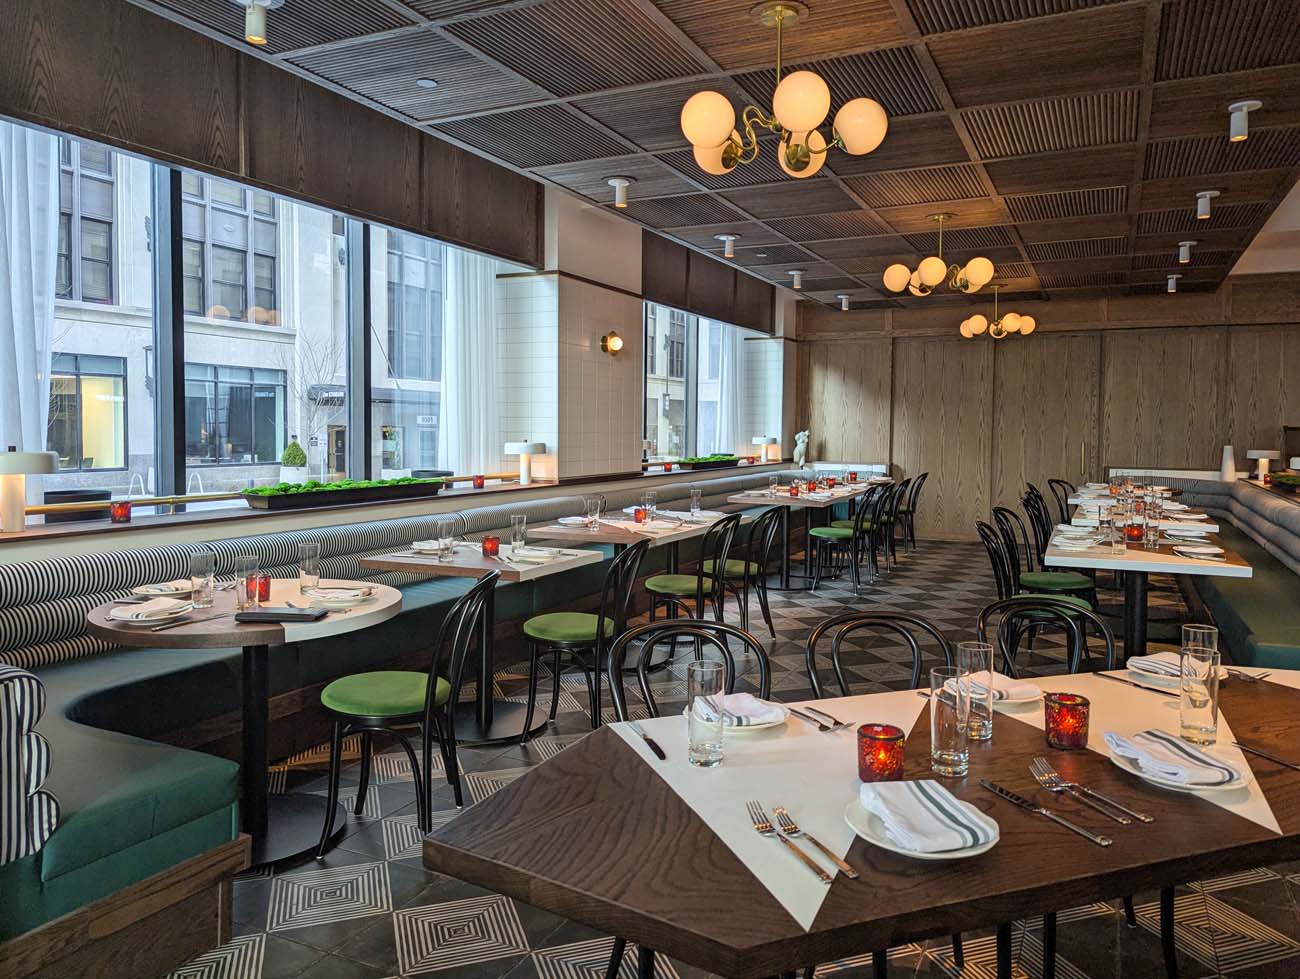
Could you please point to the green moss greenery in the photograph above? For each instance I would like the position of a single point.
(316, 486)
(716, 457)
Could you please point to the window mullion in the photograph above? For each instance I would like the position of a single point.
(691, 362)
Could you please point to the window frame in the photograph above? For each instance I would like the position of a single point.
(214, 384)
(78, 374)
(252, 216)
(72, 168)
(397, 327)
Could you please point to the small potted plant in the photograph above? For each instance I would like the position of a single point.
(293, 462)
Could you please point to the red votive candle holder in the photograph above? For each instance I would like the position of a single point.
(259, 587)
(853, 477)
(830, 482)
(753, 460)
(1133, 531)
(638, 514)
(479, 482)
(1065, 717)
(880, 753)
(794, 489)
(668, 467)
(491, 546)
(119, 511)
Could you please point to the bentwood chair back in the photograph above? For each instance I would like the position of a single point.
(908, 509)
(1040, 522)
(1062, 490)
(1003, 573)
(892, 518)
(911, 629)
(707, 584)
(1015, 616)
(751, 568)
(1016, 540)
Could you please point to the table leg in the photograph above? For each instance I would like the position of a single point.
(645, 962)
(1004, 951)
(785, 548)
(1135, 614)
(1168, 941)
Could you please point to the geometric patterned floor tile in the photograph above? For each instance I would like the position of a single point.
(319, 897)
(483, 784)
(402, 836)
(864, 961)
(549, 747)
(457, 934)
(1260, 875)
(1218, 935)
(981, 956)
(590, 959)
(240, 958)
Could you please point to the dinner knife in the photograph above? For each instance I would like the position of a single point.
(181, 622)
(1033, 807)
(1140, 686)
(650, 742)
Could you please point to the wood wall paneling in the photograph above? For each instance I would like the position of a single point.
(663, 270)
(755, 301)
(848, 400)
(1263, 394)
(942, 423)
(710, 288)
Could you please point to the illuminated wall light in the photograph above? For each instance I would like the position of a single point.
(1171, 284)
(1185, 252)
(620, 185)
(611, 343)
(1239, 119)
(728, 245)
(1203, 199)
(797, 276)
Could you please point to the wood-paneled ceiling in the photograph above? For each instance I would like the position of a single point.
(1066, 137)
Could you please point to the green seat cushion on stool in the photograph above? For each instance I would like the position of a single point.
(866, 524)
(904, 509)
(734, 567)
(1074, 600)
(676, 584)
(566, 627)
(1055, 580)
(832, 533)
(383, 693)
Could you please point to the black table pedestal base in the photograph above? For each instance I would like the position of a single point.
(1135, 614)
(507, 722)
(294, 824)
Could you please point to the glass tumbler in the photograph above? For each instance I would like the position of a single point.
(1151, 530)
(203, 565)
(446, 531)
(245, 568)
(949, 722)
(518, 530)
(704, 680)
(649, 500)
(593, 514)
(308, 566)
(1198, 701)
(696, 496)
(975, 663)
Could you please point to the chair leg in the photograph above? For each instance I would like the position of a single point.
(595, 684)
(332, 798)
(616, 958)
(645, 963)
(364, 784)
(762, 604)
(421, 795)
(1049, 945)
(817, 565)
(1130, 916)
(533, 666)
(1004, 951)
(1168, 942)
(453, 766)
(555, 684)
(958, 952)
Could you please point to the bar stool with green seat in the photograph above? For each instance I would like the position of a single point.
(675, 591)
(387, 701)
(585, 636)
(751, 569)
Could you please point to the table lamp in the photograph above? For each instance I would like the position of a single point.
(1263, 455)
(15, 467)
(764, 441)
(525, 451)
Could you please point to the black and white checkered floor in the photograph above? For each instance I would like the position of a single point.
(369, 910)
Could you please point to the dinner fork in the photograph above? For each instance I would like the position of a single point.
(764, 827)
(1247, 677)
(836, 725)
(791, 829)
(1052, 780)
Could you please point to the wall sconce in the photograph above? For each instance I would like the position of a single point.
(611, 343)
(620, 185)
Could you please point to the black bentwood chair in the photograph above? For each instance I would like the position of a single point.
(852, 540)
(707, 585)
(1062, 490)
(751, 567)
(907, 512)
(707, 635)
(387, 701)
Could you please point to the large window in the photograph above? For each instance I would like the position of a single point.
(229, 251)
(414, 295)
(234, 415)
(87, 422)
(665, 381)
(86, 210)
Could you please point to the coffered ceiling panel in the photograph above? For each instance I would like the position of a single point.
(957, 239)
(834, 283)
(892, 77)
(817, 227)
(1168, 260)
(443, 10)
(1199, 106)
(965, 214)
(912, 140)
(1068, 204)
(763, 169)
(1048, 171)
(1257, 185)
(533, 137)
(1070, 123)
(651, 119)
(872, 266)
(681, 212)
(838, 249)
(701, 236)
(897, 187)
(939, 16)
(297, 25)
(1210, 37)
(1183, 219)
(590, 177)
(1050, 251)
(789, 255)
(1266, 148)
(781, 270)
(1103, 226)
(812, 196)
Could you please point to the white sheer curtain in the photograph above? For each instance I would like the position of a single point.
(29, 229)
(471, 427)
(731, 399)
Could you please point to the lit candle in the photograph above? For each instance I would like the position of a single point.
(491, 546)
(639, 514)
(794, 489)
(1065, 717)
(880, 753)
(259, 588)
(119, 511)
(479, 482)
(853, 475)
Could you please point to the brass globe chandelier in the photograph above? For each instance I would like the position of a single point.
(800, 104)
(1001, 327)
(921, 281)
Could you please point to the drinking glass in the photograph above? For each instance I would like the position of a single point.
(308, 566)
(704, 679)
(593, 513)
(446, 537)
(973, 658)
(518, 529)
(203, 565)
(1151, 529)
(1198, 706)
(949, 722)
(648, 501)
(245, 568)
(695, 502)
(773, 483)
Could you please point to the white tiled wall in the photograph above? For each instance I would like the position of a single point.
(762, 394)
(528, 368)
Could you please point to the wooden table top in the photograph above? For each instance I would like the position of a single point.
(840, 494)
(469, 562)
(216, 628)
(621, 532)
(1162, 560)
(597, 835)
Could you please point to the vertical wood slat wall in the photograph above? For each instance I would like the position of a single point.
(986, 418)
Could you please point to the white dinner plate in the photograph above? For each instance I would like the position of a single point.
(1188, 534)
(163, 589)
(121, 613)
(1131, 767)
(573, 521)
(870, 828)
(1193, 516)
(1169, 683)
(1198, 550)
(530, 555)
(744, 730)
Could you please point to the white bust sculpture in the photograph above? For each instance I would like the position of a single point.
(800, 448)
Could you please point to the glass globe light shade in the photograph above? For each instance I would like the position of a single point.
(861, 125)
(709, 158)
(932, 270)
(965, 330)
(896, 277)
(1027, 325)
(801, 101)
(708, 119)
(916, 287)
(817, 153)
(996, 331)
(979, 272)
(978, 323)
(1011, 322)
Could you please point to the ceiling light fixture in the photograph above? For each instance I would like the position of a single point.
(1001, 326)
(1203, 198)
(1185, 251)
(800, 104)
(1239, 119)
(427, 82)
(797, 276)
(620, 185)
(728, 245)
(971, 277)
(255, 18)
(843, 297)
(1171, 284)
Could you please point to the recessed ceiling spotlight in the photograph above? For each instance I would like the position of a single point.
(760, 254)
(728, 245)
(620, 185)
(255, 18)
(797, 276)
(1185, 251)
(843, 297)
(1203, 199)
(1239, 120)
(1171, 284)
(427, 82)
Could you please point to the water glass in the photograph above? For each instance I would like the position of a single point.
(245, 568)
(1198, 707)
(949, 722)
(203, 565)
(446, 538)
(773, 484)
(593, 513)
(518, 529)
(308, 566)
(704, 678)
(1151, 529)
(649, 499)
(973, 658)
(695, 502)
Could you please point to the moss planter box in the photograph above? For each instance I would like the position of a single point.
(709, 462)
(299, 495)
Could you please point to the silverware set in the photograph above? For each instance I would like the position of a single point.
(819, 718)
(1030, 806)
(1246, 677)
(1268, 757)
(1050, 779)
(787, 831)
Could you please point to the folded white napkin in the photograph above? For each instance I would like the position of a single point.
(1175, 507)
(338, 594)
(925, 817)
(1097, 486)
(1004, 687)
(739, 710)
(1164, 663)
(155, 608)
(1172, 759)
(166, 587)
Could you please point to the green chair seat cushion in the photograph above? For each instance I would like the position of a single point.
(676, 584)
(1074, 600)
(382, 693)
(566, 627)
(832, 532)
(734, 567)
(1055, 581)
(904, 509)
(866, 524)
